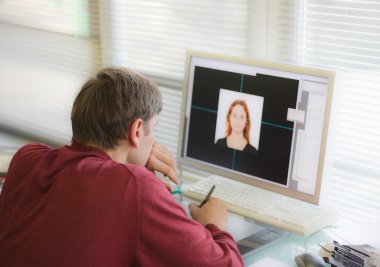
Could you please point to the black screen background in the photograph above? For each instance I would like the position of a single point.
(272, 160)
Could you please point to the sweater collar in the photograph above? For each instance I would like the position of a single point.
(87, 149)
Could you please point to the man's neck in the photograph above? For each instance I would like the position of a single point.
(120, 153)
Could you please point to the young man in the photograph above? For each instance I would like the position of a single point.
(97, 202)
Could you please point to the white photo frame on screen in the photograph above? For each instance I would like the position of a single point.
(255, 107)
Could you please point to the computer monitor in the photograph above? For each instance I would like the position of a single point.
(258, 122)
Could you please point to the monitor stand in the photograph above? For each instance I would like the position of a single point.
(249, 235)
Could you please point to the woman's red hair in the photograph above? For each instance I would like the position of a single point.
(247, 128)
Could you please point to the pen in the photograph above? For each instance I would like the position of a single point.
(207, 197)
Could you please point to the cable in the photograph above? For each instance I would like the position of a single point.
(325, 249)
(306, 239)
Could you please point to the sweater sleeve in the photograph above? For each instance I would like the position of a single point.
(167, 237)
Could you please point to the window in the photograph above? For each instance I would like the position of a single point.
(152, 37)
(47, 50)
(51, 47)
(344, 36)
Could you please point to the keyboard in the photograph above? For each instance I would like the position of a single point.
(264, 206)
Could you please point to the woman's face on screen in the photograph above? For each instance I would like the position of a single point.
(238, 119)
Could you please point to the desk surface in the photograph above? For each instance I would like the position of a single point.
(283, 250)
(287, 248)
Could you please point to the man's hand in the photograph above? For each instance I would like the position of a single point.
(214, 211)
(162, 160)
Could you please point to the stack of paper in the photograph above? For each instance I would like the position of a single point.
(344, 255)
(356, 246)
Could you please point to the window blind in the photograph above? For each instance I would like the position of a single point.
(168, 121)
(152, 36)
(344, 36)
(47, 50)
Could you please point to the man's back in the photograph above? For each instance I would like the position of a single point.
(65, 204)
(74, 206)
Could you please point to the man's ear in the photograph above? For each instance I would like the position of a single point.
(135, 132)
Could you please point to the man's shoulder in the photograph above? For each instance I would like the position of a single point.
(140, 171)
(35, 146)
(32, 149)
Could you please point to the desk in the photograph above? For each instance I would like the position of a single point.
(287, 248)
(283, 250)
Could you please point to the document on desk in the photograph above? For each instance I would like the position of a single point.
(268, 262)
(362, 234)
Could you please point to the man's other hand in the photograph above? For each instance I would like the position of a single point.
(214, 211)
(162, 160)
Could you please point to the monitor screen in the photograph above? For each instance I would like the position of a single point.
(258, 122)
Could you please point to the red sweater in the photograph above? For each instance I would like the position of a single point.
(74, 206)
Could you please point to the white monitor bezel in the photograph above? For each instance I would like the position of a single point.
(327, 74)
